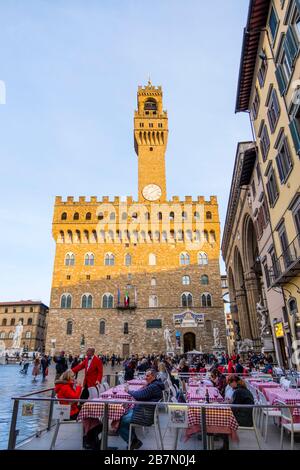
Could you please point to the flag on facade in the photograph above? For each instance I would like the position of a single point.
(126, 299)
(119, 296)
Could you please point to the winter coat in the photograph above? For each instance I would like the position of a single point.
(144, 414)
(61, 364)
(243, 396)
(93, 373)
(65, 389)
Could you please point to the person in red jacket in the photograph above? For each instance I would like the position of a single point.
(65, 387)
(93, 369)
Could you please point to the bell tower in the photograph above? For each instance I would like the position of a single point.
(150, 143)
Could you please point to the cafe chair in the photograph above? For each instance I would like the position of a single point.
(266, 413)
(64, 419)
(105, 385)
(157, 428)
(255, 415)
(288, 424)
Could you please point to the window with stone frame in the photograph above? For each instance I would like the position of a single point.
(184, 259)
(89, 259)
(272, 188)
(126, 328)
(107, 301)
(128, 259)
(273, 112)
(204, 280)
(293, 307)
(262, 71)
(296, 216)
(275, 269)
(284, 160)
(66, 301)
(273, 23)
(109, 259)
(206, 300)
(102, 327)
(87, 301)
(186, 299)
(69, 327)
(186, 280)
(255, 105)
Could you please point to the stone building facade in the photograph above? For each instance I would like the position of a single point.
(125, 269)
(32, 315)
(268, 89)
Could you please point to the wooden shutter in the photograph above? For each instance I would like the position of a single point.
(295, 134)
(280, 79)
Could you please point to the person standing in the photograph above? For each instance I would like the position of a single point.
(36, 368)
(61, 364)
(44, 365)
(93, 370)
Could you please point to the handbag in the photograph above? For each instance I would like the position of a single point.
(46, 371)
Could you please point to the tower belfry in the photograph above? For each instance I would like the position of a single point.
(150, 143)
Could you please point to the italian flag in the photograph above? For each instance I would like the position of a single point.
(126, 298)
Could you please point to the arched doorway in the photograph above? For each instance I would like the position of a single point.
(189, 342)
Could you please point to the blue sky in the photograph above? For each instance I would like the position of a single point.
(71, 70)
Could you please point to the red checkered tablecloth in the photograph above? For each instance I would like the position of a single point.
(119, 392)
(218, 421)
(198, 394)
(290, 397)
(96, 410)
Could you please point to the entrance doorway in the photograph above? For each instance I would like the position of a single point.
(189, 342)
(125, 351)
(282, 352)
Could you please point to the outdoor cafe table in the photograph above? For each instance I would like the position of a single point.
(198, 394)
(218, 421)
(289, 397)
(193, 382)
(137, 382)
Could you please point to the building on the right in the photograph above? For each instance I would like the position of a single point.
(269, 90)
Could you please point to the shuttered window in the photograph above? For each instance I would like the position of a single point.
(294, 128)
(283, 161)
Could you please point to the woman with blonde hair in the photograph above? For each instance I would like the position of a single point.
(36, 368)
(66, 387)
(162, 372)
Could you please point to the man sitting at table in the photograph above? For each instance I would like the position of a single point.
(141, 414)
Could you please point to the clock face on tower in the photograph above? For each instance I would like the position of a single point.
(152, 192)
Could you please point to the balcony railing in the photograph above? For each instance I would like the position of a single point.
(126, 307)
(288, 263)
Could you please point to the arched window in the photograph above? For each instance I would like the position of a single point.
(76, 216)
(164, 236)
(100, 216)
(88, 216)
(150, 105)
(11, 334)
(28, 335)
(124, 215)
(64, 216)
(21, 320)
(12, 321)
(196, 216)
(153, 281)
(152, 259)
(202, 258)
(70, 259)
(89, 259)
(112, 216)
(208, 215)
(186, 299)
(293, 308)
(171, 216)
(87, 301)
(197, 236)
(212, 236)
(2, 335)
(128, 260)
(66, 301)
(159, 215)
(206, 300)
(109, 259)
(125, 328)
(153, 301)
(184, 259)
(205, 235)
(69, 327)
(29, 321)
(189, 235)
(107, 300)
(147, 215)
(184, 215)
(102, 327)
(4, 322)
(204, 280)
(186, 280)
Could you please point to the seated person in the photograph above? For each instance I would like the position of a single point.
(219, 381)
(241, 396)
(239, 369)
(64, 388)
(141, 414)
(129, 370)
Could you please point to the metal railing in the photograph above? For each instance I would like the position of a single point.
(286, 261)
(163, 404)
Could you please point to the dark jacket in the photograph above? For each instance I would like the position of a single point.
(129, 372)
(61, 364)
(144, 414)
(243, 396)
(239, 369)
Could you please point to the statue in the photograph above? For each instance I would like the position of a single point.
(245, 345)
(168, 340)
(82, 341)
(263, 314)
(17, 336)
(216, 333)
(237, 330)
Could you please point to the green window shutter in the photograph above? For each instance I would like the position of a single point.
(280, 79)
(291, 43)
(295, 135)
